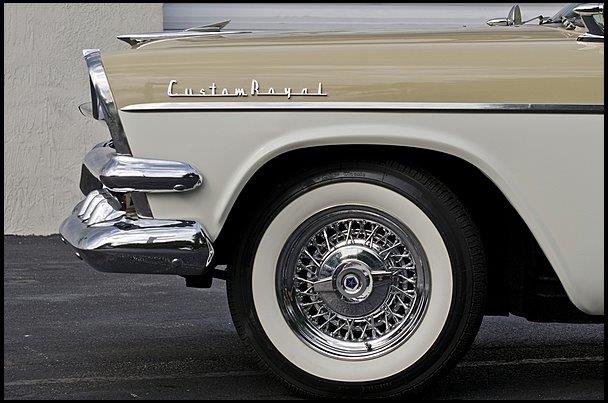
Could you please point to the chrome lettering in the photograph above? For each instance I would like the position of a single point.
(256, 90)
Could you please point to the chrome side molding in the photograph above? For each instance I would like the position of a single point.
(107, 240)
(402, 107)
(123, 173)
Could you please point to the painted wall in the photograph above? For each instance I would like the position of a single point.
(45, 136)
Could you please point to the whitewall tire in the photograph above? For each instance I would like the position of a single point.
(364, 281)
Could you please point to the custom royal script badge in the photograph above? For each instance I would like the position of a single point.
(256, 90)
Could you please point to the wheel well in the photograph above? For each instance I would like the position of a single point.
(518, 270)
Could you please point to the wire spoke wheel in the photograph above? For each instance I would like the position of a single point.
(363, 280)
(353, 282)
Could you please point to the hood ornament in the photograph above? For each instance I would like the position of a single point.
(138, 40)
(514, 18)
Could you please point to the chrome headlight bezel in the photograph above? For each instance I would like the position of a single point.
(103, 106)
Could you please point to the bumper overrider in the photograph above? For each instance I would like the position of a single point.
(111, 238)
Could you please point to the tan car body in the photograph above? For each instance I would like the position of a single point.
(498, 65)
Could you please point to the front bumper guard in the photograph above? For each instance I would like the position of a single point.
(123, 173)
(103, 236)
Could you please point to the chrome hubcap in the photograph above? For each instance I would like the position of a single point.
(353, 283)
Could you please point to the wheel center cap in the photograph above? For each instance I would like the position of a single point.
(347, 282)
(351, 283)
(353, 280)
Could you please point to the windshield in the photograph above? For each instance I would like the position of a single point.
(566, 12)
(599, 19)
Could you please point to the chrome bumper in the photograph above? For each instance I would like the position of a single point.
(109, 241)
(123, 173)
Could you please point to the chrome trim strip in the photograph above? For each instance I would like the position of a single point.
(366, 106)
(105, 99)
(104, 107)
(123, 173)
(111, 242)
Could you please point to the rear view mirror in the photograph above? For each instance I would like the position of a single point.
(514, 18)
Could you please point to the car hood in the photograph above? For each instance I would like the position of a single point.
(500, 64)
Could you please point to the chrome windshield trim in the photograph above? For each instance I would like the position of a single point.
(589, 9)
(367, 106)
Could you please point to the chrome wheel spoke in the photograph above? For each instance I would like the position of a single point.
(354, 286)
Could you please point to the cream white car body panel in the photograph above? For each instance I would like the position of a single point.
(549, 166)
(362, 276)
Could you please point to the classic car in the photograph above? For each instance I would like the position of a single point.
(368, 197)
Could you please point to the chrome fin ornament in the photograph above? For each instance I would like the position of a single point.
(215, 29)
(514, 18)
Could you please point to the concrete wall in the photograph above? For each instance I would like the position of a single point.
(45, 137)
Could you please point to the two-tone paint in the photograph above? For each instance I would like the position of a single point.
(524, 106)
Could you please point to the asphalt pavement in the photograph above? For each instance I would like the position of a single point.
(71, 332)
